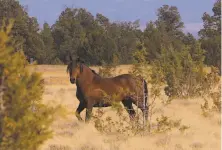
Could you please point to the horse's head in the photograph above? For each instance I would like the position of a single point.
(74, 68)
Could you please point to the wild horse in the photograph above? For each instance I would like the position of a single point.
(92, 90)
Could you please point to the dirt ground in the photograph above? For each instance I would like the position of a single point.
(70, 134)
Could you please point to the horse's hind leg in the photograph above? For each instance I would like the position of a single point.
(129, 107)
(80, 108)
(143, 108)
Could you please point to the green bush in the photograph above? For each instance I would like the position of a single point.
(183, 73)
(140, 66)
(24, 120)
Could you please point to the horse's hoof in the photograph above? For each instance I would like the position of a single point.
(87, 121)
(81, 121)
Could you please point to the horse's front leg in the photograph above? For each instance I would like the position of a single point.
(82, 103)
(89, 108)
(80, 108)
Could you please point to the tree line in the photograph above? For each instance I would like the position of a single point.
(99, 41)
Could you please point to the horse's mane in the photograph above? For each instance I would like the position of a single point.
(94, 72)
(70, 66)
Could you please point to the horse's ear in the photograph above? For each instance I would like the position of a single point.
(81, 68)
(82, 61)
(70, 56)
(78, 60)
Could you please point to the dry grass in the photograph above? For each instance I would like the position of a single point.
(69, 134)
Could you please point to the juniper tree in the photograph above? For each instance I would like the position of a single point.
(24, 120)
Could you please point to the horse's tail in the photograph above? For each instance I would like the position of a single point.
(145, 91)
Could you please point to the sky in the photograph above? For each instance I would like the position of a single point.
(191, 11)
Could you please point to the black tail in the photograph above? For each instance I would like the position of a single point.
(146, 99)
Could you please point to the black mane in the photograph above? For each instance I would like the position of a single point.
(95, 72)
(69, 67)
(71, 64)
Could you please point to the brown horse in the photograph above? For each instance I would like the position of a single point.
(92, 90)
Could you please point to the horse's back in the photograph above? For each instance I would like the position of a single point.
(126, 82)
(127, 79)
(120, 80)
(123, 80)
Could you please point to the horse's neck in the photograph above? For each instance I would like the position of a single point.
(85, 78)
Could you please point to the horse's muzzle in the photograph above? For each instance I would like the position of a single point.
(73, 80)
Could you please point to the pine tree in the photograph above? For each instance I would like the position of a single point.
(24, 120)
(140, 66)
(49, 54)
(183, 70)
(210, 36)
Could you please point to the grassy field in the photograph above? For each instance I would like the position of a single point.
(69, 134)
